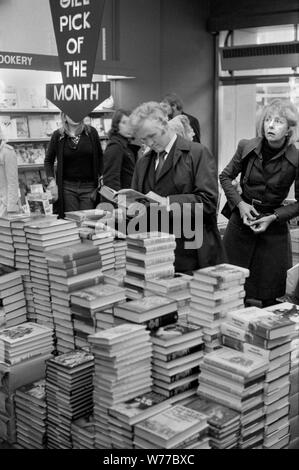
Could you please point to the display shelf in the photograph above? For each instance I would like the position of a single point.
(28, 139)
(29, 110)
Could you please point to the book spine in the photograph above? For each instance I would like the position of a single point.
(184, 374)
(163, 320)
(184, 352)
(151, 241)
(232, 343)
(183, 388)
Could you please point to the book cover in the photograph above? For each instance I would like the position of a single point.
(21, 126)
(97, 295)
(221, 273)
(125, 331)
(72, 359)
(23, 333)
(176, 333)
(125, 197)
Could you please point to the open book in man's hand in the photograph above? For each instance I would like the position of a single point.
(125, 197)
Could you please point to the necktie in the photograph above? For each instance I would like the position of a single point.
(161, 157)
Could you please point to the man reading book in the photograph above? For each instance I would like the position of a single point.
(181, 172)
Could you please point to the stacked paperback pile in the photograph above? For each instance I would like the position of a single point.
(152, 311)
(176, 287)
(31, 415)
(120, 248)
(123, 417)
(42, 236)
(178, 427)
(236, 379)
(70, 268)
(69, 391)
(150, 255)
(291, 311)
(266, 335)
(177, 354)
(92, 310)
(22, 260)
(295, 245)
(7, 251)
(24, 350)
(12, 297)
(83, 433)
(214, 291)
(122, 371)
(224, 423)
(103, 240)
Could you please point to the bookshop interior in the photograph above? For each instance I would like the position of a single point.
(149, 252)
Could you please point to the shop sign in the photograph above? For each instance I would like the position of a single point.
(77, 25)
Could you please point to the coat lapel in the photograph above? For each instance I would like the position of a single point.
(144, 169)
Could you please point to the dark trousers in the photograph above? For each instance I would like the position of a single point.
(76, 196)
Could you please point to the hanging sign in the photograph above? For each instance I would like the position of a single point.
(77, 25)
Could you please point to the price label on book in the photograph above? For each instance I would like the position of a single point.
(77, 25)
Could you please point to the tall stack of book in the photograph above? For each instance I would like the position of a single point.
(103, 240)
(7, 251)
(177, 354)
(69, 392)
(24, 350)
(291, 311)
(83, 433)
(122, 372)
(178, 427)
(176, 287)
(92, 310)
(124, 416)
(150, 255)
(214, 291)
(267, 336)
(42, 236)
(70, 268)
(153, 311)
(120, 248)
(236, 379)
(31, 415)
(224, 423)
(22, 261)
(12, 297)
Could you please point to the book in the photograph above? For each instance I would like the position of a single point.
(125, 197)
(97, 296)
(149, 307)
(261, 322)
(147, 239)
(246, 365)
(220, 273)
(71, 253)
(219, 416)
(175, 334)
(172, 426)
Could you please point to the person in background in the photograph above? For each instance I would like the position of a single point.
(120, 154)
(181, 126)
(174, 107)
(181, 172)
(257, 236)
(77, 149)
(9, 185)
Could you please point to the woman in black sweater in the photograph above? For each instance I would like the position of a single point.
(120, 155)
(77, 149)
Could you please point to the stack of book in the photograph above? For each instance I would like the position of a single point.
(83, 433)
(267, 336)
(103, 240)
(177, 354)
(120, 248)
(295, 245)
(124, 416)
(291, 311)
(31, 415)
(12, 297)
(236, 379)
(44, 235)
(115, 277)
(92, 310)
(178, 427)
(70, 268)
(69, 390)
(7, 251)
(22, 261)
(24, 350)
(214, 291)
(153, 311)
(224, 423)
(122, 372)
(150, 255)
(176, 287)
(85, 215)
